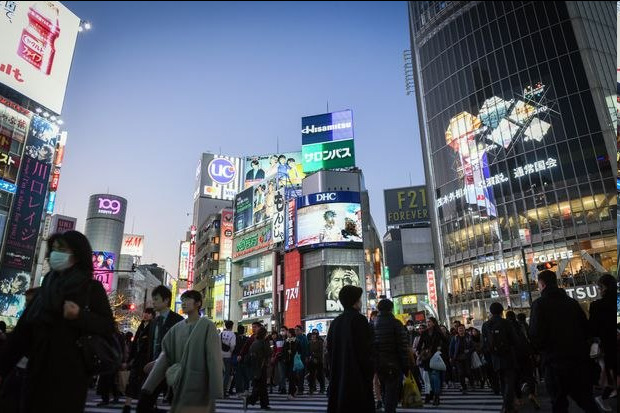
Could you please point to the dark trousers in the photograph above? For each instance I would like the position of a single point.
(491, 374)
(508, 382)
(316, 372)
(569, 380)
(390, 391)
(292, 381)
(107, 385)
(259, 391)
(227, 373)
(462, 368)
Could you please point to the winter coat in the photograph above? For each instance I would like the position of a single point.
(349, 346)
(171, 319)
(291, 347)
(602, 322)
(259, 357)
(460, 345)
(57, 379)
(391, 345)
(316, 352)
(559, 328)
(507, 359)
(428, 345)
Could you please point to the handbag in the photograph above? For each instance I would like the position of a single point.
(437, 362)
(101, 354)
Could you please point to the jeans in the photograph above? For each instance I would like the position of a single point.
(390, 391)
(569, 380)
(227, 371)
(508, 381)
(435, 376)
(281, 369)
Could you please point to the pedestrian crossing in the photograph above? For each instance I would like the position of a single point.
(452, 400)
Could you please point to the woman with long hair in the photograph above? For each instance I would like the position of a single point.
(69, 304)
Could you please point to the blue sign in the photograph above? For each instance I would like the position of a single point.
(222, 171)
(7, 187)
(327, 127)
(51, 201)
(329, 198)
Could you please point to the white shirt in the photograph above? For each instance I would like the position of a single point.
(228, 337)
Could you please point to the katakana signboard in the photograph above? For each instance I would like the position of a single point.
(328, 155)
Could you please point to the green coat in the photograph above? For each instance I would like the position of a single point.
(199, 373)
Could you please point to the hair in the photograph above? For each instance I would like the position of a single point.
(521, 317)
(79, 246)
(434, 320)
(229, 324)
(240, 329)
(315, 331)
(385, 305)
(2, 327)
(510, 315)
(456, 322)
(497, 308)
(281, 157)
(261, 334)
(254, 162)
(548, 277)
(163, 292)
(291, 160)
(292, 332)
(283, 328)
(608, 282)
(128, 334)
(298, 326)
(193, 294)
(374, 312)
(409, 323)
(149, 310)
(257, 324)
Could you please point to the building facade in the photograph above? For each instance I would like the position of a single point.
(514, 102)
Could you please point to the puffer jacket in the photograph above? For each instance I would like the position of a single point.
(391, 346)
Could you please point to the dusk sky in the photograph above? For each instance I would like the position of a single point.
(153, 85)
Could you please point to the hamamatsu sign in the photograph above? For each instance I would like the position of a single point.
(406, 205)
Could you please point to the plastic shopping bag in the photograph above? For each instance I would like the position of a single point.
(476, 363)
(437, 362)
(411, 393)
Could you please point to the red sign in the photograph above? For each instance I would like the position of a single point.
(192, 254)
(432, 288)
(226, 234)
(55, 179)
(64, 225)
(292, 296)
(60, 154)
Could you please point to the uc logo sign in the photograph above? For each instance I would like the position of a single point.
(221, 170)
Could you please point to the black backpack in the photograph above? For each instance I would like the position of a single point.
(498, 340)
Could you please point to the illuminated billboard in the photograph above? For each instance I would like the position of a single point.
(184, 260)
(219, 176)
(13, 285)
(219, 288)
(104, 263)
(133, 245)
(292, 297)
(327, 127)
(328, 155)
(406, 205)
(257, 287)
(284, 166)
(329, 219)
(226, 233)
(107, 206)
(244, 209)
(38, 39)
(337, 276)
(252, 242)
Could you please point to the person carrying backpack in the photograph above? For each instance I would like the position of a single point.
(228, 340)
(500, 338)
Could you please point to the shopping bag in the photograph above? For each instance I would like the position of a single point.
(437, 362)
(411, 393)
(298, 365)
(476, 363)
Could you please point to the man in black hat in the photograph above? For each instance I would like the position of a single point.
(349, 347)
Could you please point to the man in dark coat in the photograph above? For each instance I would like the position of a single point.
(559, 329)
(391, 354)
(349, 345)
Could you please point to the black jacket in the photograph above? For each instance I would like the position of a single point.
(171, 320)
(139, 351)
(57, 380)
(390, 344)
(349, 349)
(602, 323)
(558, 328)
(507, 359)
(429, 343)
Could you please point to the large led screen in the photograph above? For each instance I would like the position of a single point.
(104, 264)
(329, 225)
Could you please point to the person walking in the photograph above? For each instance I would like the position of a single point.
(108, 381)
(304, 347)
(602, 320)
(391, 354)
(190, 362)
(138, 358)
(461, 349)
(349, 345)
(258, 358)
(564, 348)
(279, 362)
(243, 364)
(315, 364)
(228, 340)
(69, 304)
(239, 374)
(526, 383)
(290, 351)
(430, 342)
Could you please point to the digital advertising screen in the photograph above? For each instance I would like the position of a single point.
(285, 167)
(244, 209)
(337, 276)
(104, 263)
(327, 127)
(38, 39)
(329, 219)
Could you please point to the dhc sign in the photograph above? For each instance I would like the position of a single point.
(328, 198)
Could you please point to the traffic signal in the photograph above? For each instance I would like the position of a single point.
(132, 307)
(128, 307)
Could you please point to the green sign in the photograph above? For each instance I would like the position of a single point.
(328, 155)
(252, 241)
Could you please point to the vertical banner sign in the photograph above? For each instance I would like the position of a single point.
(104, 264)
(432, 288)
(289, 230)
(278, 217)
(192, 254)
(226, 234)
(292, 297)
(184, 261)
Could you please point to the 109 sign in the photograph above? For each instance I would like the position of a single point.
(109, 206)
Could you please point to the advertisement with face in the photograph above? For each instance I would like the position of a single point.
(38, 38)
(264, 198)
(104, 263)
(329, 225)
(336, 278)
(13, 285)
(244, 209)
(285, 168)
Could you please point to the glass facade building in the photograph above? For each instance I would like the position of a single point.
(517, 119)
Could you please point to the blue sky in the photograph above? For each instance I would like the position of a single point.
(154, 85)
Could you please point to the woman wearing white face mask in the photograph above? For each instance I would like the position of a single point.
(49, 328)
